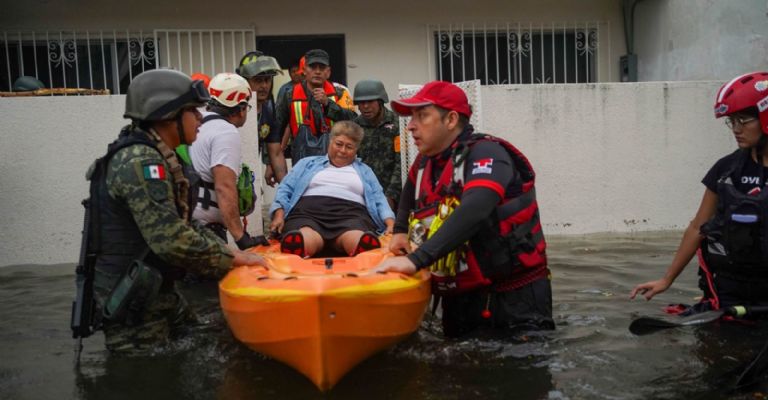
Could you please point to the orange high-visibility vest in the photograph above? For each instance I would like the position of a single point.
(300, 112)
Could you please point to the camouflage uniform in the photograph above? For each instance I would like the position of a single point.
(174, 246)
(380, 149)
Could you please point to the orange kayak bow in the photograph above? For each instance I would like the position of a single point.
(322, 316)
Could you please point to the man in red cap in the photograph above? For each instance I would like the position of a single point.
(469, 205)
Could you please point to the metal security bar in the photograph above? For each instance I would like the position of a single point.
(110, 59)
(520, 53)
(209, 51)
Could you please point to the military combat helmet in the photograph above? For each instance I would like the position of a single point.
(159, 94)
(368, 90)
(262, 66)
(27, 84)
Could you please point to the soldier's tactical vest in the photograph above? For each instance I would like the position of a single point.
(120, 241)
(508, 252)
(736, 237)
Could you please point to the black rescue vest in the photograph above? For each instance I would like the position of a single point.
(510, 250)
(119, 239)
(736, 238)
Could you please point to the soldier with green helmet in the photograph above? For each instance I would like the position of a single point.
(138, 231)
(260, 73)
(381, 145)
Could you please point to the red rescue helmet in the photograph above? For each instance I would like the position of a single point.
(743, 92)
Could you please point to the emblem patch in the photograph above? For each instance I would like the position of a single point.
(721, 109)
(761, 85)
(484, 166)
(264, 131)
(154, 171)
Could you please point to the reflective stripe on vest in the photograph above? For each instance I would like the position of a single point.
(300, 110)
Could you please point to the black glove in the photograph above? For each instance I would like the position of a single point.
(247, 241)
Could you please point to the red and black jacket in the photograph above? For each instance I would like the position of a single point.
(506, 248)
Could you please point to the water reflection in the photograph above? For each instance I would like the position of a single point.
(590, 355)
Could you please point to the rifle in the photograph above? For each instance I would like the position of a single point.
(83, 322)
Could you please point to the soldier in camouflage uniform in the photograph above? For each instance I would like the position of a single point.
(140, 192)
(381, 145)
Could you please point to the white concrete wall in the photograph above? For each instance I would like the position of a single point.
(612, 157)
(700, 39)
(609, 157)
(386, 40)
(46, 146)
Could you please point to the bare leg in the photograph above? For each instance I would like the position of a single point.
(313, 242)
(347, 241)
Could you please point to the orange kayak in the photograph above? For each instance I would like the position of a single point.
(322, 316)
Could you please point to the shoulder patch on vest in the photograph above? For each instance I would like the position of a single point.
(153, 171)
(484, 166)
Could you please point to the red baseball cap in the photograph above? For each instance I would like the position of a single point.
(439, 93)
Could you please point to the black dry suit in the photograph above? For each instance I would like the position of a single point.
(735, 248)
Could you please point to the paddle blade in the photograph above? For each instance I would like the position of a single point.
(645, 325)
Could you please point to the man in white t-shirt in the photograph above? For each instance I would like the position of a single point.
(216, 156)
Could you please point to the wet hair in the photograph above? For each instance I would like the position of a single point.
(348, 129)
(463, 119)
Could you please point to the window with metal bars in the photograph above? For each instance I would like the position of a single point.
(111, 59)
(517, 55)
(77, 63)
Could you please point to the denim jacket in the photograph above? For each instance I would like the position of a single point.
(297, 181)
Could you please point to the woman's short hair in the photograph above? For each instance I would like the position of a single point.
(348, 129)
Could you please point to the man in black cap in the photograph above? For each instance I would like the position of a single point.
(311, 107)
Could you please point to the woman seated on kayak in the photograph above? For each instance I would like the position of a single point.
(332, 201)
(730, 229)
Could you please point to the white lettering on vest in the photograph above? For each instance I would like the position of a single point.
(753, 180)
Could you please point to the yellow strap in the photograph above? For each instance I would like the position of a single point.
(448, 264)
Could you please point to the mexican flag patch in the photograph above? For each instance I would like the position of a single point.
(155, 171)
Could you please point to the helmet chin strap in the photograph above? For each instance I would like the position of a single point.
(180, 128)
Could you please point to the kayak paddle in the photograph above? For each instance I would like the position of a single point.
(646, 325)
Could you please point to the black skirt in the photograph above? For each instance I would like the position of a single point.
(329, 216)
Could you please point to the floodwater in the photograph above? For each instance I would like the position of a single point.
(591, 355)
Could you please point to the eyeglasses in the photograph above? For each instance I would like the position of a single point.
(735, 122)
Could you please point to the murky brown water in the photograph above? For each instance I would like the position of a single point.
(592, 355)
